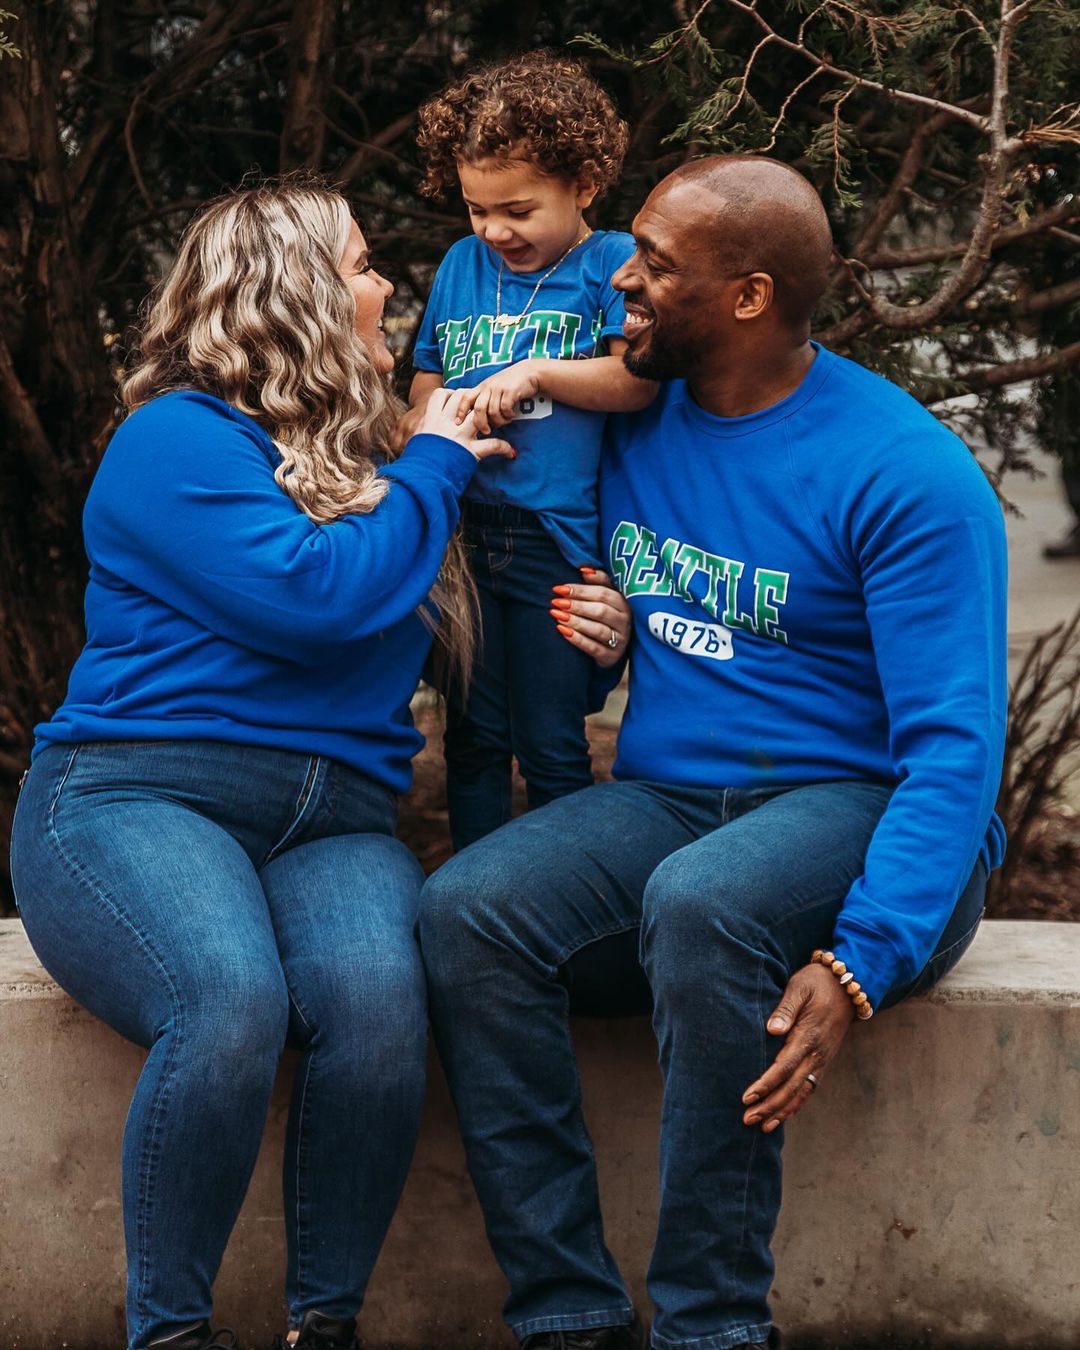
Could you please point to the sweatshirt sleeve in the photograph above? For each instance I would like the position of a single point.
(617, 248)
(185, 507)
(930, 542)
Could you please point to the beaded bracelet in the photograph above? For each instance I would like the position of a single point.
(848, 982)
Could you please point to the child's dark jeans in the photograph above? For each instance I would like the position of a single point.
(530, 687)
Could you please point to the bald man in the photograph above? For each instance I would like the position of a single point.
(808, 763)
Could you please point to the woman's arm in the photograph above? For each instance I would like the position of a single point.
(186, 508)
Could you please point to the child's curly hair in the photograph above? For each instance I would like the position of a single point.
(539, 102)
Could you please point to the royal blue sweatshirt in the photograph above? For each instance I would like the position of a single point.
(217, 610)
(819, 594)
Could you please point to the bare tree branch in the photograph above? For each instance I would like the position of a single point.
(220, 27)
(1037, 302)
(33, 442)
(1063, 212)
(358, 161)
(966, 277)
(910, 164)
(1030, 368)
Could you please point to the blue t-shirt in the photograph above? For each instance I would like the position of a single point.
(818, 592)
(573, 312)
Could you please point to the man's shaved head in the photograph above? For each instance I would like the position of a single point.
(768, 219)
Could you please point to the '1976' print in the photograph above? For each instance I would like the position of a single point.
(712, 640)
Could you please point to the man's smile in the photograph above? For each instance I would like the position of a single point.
(638, 321)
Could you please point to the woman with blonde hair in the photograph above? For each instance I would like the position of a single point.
(203, 850)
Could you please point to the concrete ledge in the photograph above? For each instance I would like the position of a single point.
(932, 1189)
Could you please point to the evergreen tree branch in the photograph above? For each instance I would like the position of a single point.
(779, 119)
(901, 95)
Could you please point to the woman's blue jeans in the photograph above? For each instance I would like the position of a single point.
(205, 900)
(718, 896)
(530, 690)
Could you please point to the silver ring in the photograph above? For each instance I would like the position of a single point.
(812, 1081)
(613, 640)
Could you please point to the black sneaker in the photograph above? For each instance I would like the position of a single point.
(630, 1337)
(199, 1337)
(319, 1332)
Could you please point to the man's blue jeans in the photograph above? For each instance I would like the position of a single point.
(530, 690)
(204, 900)
(731, 890)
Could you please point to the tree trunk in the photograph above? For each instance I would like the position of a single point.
(54, 396)
(310, 37)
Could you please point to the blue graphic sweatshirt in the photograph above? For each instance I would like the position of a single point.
(570, 317)
(819, 594)
(217, 610)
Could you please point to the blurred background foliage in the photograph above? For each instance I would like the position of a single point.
(940, 134)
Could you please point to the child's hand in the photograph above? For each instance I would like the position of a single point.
(494, 401)
(441, 418)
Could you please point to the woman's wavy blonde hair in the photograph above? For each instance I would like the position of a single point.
(255, 312)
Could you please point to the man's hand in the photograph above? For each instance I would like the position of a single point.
(813, 1016)
(493, 402)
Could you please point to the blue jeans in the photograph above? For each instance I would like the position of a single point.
(205, 900)
(530, 689)
(722, 894)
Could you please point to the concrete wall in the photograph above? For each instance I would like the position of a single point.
(932, 1187)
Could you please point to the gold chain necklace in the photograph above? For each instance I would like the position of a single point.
(503, 321)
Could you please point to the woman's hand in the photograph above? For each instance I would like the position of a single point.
(408, 424)
(593, 616)
(493, 402)
(440, 418)
(813, 1016)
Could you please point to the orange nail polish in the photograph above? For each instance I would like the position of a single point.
(589, 570)
(566, 632)
(563, 590)
(557, 615)
(560, 603)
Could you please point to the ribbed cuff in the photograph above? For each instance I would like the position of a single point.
(439, 453)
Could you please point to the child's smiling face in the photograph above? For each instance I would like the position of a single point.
(530, 218)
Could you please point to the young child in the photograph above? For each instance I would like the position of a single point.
(513, 311)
